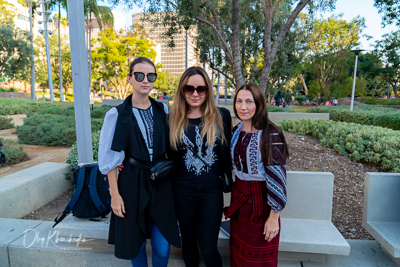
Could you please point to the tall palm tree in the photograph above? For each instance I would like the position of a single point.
(30, 4)
(92, 11)
(104, 17)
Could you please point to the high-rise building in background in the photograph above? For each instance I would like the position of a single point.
(173, 60)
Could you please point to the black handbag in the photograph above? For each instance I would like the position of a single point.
(162, 170)
(159, 171)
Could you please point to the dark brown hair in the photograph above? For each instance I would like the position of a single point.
(140, 60)
(260, 121)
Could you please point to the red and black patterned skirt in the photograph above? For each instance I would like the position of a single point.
(248, 246)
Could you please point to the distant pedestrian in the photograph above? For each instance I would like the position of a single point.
(165, 97)
(288, 99)
(278, 98)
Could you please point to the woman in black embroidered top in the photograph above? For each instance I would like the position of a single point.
(200, 137)
(141, 209)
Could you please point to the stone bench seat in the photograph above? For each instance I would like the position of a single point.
(24, 191)
(307, 231)
(324, 239)
(381, 214)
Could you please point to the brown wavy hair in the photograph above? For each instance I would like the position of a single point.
(211, 118)
(260, 121)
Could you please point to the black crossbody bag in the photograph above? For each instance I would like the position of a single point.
(159, 171)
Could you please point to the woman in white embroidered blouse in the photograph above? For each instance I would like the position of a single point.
(259, 152)
(137, 130)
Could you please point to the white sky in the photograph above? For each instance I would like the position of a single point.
(365, 9)
(349, 8)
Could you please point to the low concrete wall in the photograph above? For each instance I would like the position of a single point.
(381, 213)
(15, 95)
(29, 189)
(113, 103)
(116, 102)
(281, 116)
(276, 117)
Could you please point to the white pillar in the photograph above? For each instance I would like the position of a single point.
(354, 85)
(80, 80)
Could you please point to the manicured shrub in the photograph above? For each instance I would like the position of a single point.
(278, 109)
(361, 115)
(73, 153)
(391, 120)
(10, 106)
(13, 151)
(51, 130)
(362, 143)
(99, 113)
(5, 123)
(377, 101)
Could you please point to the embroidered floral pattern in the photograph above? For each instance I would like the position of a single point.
(194, 158)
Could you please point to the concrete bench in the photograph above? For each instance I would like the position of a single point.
(29, 189)
(381, 214)
(308, 233)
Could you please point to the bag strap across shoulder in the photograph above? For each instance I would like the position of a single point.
(78, 190)
(93, 190)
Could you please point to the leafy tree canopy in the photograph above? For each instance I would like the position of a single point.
(112, 58)
(390, 11)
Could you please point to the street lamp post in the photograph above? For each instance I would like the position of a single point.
(186, 47)
(357, 51)
(45, 32)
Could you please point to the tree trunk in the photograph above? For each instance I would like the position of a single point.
(32, 53)
(304, 84)
(395, 90)
(59, 51)
(237, 68)
(271, 50)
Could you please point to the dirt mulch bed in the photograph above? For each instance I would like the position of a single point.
(348, 191)
(305, 155)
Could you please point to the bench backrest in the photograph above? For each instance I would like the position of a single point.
(310, 195)
(382, 197)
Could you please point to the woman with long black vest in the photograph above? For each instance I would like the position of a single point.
(136, 130)
(200, 136)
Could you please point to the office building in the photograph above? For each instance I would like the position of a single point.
(172, 59)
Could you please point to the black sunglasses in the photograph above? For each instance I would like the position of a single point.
(139, 76)
(189, 90)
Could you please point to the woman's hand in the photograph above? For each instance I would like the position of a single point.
(120, 167)
(117, 205)
(271, 226)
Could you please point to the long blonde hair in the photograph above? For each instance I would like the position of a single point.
(211, 118)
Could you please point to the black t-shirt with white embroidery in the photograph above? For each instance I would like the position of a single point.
(198, 162)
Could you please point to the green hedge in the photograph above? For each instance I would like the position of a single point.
(358, 142)
(377, 101)
(6, 123)
(362, 115)
(13, 151)
(73, 153)
(278, 109)
(12, 89)
(51, 130)
(10, 106)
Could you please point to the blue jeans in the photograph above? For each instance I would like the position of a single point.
(287, 105)
(160, 249)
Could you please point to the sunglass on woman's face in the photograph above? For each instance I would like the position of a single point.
(139, 76)
(189, 90)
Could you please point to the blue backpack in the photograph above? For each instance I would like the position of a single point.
(91, 197)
